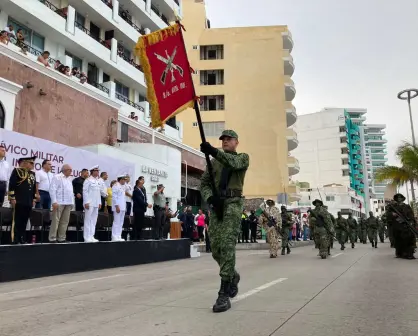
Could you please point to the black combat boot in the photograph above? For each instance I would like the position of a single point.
(342, 247)
(372, 243)
(222, 303)
(283, 250)
(352, 245)
(375, 244)
(288, 250)
(233, 290)
(329, 251)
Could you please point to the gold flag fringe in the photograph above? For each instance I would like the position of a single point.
(140, 51)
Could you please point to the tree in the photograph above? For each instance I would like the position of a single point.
(408, 172)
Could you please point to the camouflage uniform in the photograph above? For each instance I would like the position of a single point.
(404, 239)
(332, 229)
(373, 226)
(341, 230)
(389, 229)
(287, 223)
(363, 228)
(312, 222)
(223, 232)
(271, 231)
(381, 230)
(322, 228)
(352, 229)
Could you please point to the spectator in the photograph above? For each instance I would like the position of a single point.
(128, 195)
(43, 182)
(78, 189)
(10, 31)
(103, 190)
(83, 78)
(67, 71)
(109, 197)
(75, 72)
(4, 37)
(57, 65)
(136, 118)
(188, 224)
(294, 227)
(43, 58)
(305, 227)
(21, 41)
(62, 198)
(208, 248)
(140, 205)
(200, 218)
(253, 226)
(132, 115)
(61, 68)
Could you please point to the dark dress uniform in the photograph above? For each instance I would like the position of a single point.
(22, 189)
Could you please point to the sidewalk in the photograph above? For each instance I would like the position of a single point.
(261, 245)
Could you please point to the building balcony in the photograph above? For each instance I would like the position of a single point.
(292, 139)
(290, 90)
(291, 115)
(375, 141)
(293, 192)
(289, 66)
(287, 41)
(293, 165)
(380, 160)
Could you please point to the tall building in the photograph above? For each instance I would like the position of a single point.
(243, 77)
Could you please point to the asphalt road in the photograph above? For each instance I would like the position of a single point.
(363, 291)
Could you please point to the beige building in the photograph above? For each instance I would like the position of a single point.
(243, 78)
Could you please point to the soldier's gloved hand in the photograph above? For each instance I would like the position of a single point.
(207, 148)
(216, 205)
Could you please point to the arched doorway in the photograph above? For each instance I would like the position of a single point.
(2, 116)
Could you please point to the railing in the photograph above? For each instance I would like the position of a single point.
(32, 50)
(130, 61)
(108, 3)
(99, 86)
(85, 30)
(127, 17)
(129, 102)
(161, 15)
(59, 11)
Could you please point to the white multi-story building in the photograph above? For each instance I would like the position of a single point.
(97, 37)
(337, 198)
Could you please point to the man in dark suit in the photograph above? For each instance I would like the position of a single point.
(78, 189)
(140, 205)
(22, 195)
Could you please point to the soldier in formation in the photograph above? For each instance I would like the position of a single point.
(323, 224)
(381, 230)
(226, 202)
(389, 230)
(331, 231)
(401, 218)
(286, 227)
(271, 221)
(372, 226)
(363, 231)
(341, 230)
(352, 229)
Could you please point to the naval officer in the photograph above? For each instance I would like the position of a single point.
(92, 203)
(118, 207)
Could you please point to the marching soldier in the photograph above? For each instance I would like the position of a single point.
(332, 228)
(341, 230)
(22, 195)
(363, 227)
(401, 218)
(286, 227)
(372, 225)
(323, 225)
(271, 224)
(352, 227)
(229, 169)
(381, 229)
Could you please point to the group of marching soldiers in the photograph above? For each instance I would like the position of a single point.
(397, 223)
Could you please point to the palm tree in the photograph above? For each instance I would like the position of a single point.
(408, 172)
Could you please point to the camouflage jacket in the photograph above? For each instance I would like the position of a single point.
(352, 223)
(342, 224)
(287, 220)
(372, 223)
(405, 210)
(325, 216)
(273, 212)
(238, 165)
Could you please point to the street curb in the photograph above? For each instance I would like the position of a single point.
(257, 246)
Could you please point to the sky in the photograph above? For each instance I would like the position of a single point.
(357, 53)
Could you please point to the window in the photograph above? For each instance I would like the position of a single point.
(106, 77)
(122, 133)
(214, 129)
(77, 62)
(212, 103)
(195, 47)
(122, 89)
(141, 98)
(344, 161)
(211, 77)
(212, 52)
(80, 19)
(342, 129)
(194, 124)
(343, 139)
(346, 172)
(330, 198)
(344, 150)
(32, 38)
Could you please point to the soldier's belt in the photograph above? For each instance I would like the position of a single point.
(231, 193)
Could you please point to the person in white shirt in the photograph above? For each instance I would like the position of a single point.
(128, 195)
(103, 191)
(4, 174)
(62, 198)
(43, 181)
(118, 207)
(92, 204)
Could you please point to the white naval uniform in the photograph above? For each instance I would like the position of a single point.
(91, 196)
(118, 198)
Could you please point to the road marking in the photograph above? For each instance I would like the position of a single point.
(257, 290)
(65, 284)
(335, 256)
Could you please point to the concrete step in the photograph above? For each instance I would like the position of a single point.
(261, 245)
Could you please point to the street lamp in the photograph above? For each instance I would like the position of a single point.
(408, 95)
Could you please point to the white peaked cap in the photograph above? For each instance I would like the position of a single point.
(94, 167)
(121, 176)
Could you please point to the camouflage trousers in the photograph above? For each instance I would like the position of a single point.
(341, 236)
(223, 238)
(323, 240)
(285, 240)
(381, 234)
(272, 237)
(363, 236)
(352, 235)
(372, 234)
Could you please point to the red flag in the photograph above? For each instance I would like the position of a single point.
(167, 73)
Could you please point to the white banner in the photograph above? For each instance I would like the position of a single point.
(19, 145)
